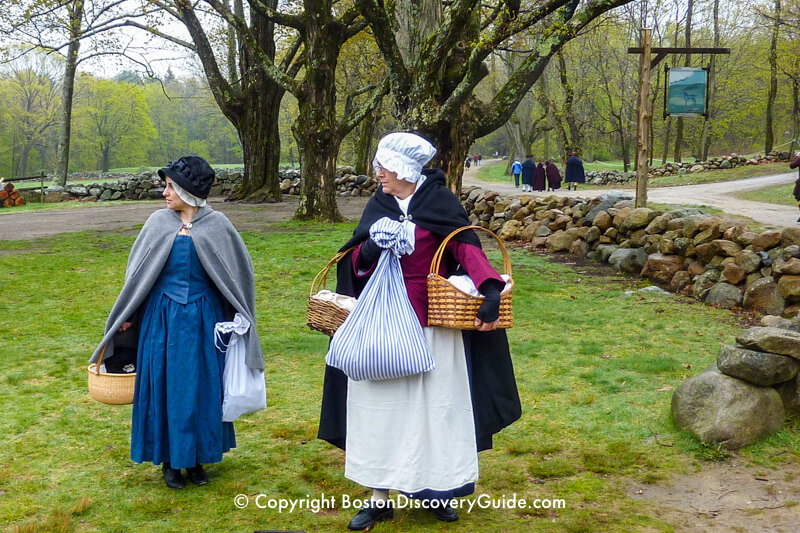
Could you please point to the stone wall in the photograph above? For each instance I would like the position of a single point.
(146, 185)
(612, 177)
(685, 250)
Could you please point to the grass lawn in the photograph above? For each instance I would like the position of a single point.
(777, 194)
(595, 371)
(74, 204)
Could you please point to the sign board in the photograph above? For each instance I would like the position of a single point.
(687, 92)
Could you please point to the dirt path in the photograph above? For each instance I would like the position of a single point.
(100, 216)
(719, 195)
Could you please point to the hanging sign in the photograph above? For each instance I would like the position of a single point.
(687, 92)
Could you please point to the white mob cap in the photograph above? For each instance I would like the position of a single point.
(404, 154)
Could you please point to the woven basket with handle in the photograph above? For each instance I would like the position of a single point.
(323, 315)
(450, 307)
(113, 389)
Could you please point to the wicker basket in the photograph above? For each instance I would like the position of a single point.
(113, 389)
(323, 315)
(450, 307)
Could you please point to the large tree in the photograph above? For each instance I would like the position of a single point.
(307, 71)
(434, 85)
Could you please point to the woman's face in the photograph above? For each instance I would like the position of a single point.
(392, 185)
(174, 201)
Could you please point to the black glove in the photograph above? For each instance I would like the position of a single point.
(368, 254)
(489, 311)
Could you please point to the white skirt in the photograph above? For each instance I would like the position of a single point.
(416, 432)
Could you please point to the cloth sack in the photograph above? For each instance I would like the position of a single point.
(382, 338)
(244, 390)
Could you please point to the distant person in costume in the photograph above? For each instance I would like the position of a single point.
(528, 168)
(421, 434)
(187, 270)
(539, 179)
(574, 173)
(553, 176)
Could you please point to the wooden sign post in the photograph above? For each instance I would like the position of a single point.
(646, 65)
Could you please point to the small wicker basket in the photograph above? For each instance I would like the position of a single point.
(323, 315)
(449, 307)
(113, 389)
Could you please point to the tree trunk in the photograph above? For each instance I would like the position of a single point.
(105, 164)
(576, 136)
(23, 161)
(316, 129)
(668, 131)
(364, 144)
(705, 138)
(769, 139)
(795, 114)
(68, 91)
(687, 42)
(261, 147)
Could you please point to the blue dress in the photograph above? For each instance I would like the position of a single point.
(177, 406)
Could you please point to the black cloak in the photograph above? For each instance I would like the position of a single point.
(495, 400)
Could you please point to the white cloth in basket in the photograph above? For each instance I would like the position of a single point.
(339, 300)
(464, 283)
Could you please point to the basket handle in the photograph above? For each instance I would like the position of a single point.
(322, 275)
(100, 360)
(437, 257)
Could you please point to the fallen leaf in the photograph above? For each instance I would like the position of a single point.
(666, 388)
(687, 366)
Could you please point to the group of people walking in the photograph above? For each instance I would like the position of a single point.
(545, 175)
(419, 434)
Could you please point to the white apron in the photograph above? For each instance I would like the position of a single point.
(417, 432)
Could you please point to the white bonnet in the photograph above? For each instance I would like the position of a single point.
(404, 154)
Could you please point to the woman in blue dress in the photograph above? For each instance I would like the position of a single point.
(188, 270)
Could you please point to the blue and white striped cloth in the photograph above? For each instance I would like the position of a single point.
(382, 338)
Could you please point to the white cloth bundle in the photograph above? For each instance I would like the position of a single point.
(244, 389)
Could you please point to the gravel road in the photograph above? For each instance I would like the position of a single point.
(719, 195)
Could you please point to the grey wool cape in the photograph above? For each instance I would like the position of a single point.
(222, 254)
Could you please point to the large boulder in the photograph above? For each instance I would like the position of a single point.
(790, 236)
(774, 340)
(748, 260)
(758, 368)
(606, 201)
(763, 296)
(767, 240)
(629, 259)
(510, 230)
(726, 248)
(733, 273)
(560, 241)
(724, 295)
(662, 268)
(720, 409)
(639, 218)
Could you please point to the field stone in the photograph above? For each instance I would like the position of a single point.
(637, 219)
(510, 230)
(733, 273)
(790, 236)
(606, 201)
(758, 368)
(593, 234)
(605, 250)
(720, 409)
(723, 247)
(789, 392)
(724, 295)
(790, 266)
(680, 281)
(762, 295)
(767, 240)
(774, 340)
(628, 259)
(704, 282)
(662, 268)
(748, 260)
(789, 286)
(602, 220)
(543, 231)
(561, 240)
